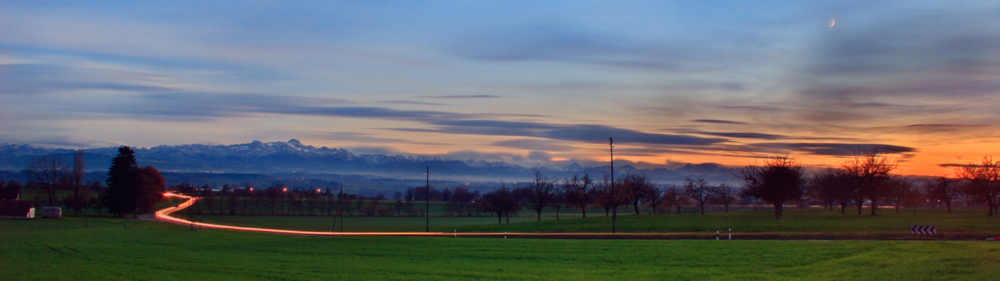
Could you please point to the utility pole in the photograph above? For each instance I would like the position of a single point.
(614, 201)
(427, 204)
(341, 206)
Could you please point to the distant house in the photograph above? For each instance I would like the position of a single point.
(10, 193)
(17, 209)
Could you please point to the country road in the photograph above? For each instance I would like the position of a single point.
(164, 215)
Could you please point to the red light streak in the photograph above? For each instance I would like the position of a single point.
(165, 215)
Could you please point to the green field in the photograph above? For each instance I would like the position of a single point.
(963, 223)
(107, 250)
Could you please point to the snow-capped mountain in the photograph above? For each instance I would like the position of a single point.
(294, 157)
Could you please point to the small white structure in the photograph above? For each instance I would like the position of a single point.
(52, 212)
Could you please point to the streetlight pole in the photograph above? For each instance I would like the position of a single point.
(614, 201)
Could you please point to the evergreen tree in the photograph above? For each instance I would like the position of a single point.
(123, 179)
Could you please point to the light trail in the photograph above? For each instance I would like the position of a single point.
(165, 215)
(166, 212)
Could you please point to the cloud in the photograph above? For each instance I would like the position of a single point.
(408, 102)
(715, 121)
(549, 41)
(48, 78)
(577, 132)
(366, 138)
(461, 97)
(540, 156)
(835, 149)
(743, 135)
(535, 144)
(198, 105)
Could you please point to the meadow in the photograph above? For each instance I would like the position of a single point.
(128, 249)
(963, 224)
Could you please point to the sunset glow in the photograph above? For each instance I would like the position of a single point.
(526, 83)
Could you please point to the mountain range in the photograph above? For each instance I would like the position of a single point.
(294, 157)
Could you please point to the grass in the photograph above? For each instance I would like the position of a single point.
(107, 250)
(967, 221)
(963, 223)
(353, 224)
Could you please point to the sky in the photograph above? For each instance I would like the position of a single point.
(527, 82)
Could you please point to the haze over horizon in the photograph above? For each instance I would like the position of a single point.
(525, 82)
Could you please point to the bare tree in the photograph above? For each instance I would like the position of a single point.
(698, 190)
(48, 170)
(983, 181)
(821, 187)
(723, 194)
(901, 192)
(839, 187)
(578, 193)
(674, 196)
(654, 197)
(870, 172)
(605, 197)
(540, 192)
(779, 180)
(912, 196)
(944, 190)
(636, 187)
(501, 202)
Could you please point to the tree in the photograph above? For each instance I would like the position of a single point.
(48, 170)
(605, 196)
(724, 195)
(578, 193)
(459, 201)
(151, 187)
(943, 190)
(834, 186)
(540, 192)
(635, 187)
(674, 196)
(822, 187)
(983, 181)
(654, 197)
(80, 199)
(903, 193)
(123, 177)
(870, 172)
(698, 190)
(779, 180)
(912, 196)
(501, 201)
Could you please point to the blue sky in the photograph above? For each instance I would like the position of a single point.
(525, 82)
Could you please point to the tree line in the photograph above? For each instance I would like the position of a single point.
(583, 192)
(864, 179)
(130, 188)
(868, 178)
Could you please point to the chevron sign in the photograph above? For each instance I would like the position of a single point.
(923, 229)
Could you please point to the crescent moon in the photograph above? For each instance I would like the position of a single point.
(833, 22)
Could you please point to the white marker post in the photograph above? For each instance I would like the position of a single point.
(504, 235)
(730, 234)
(716, 235)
